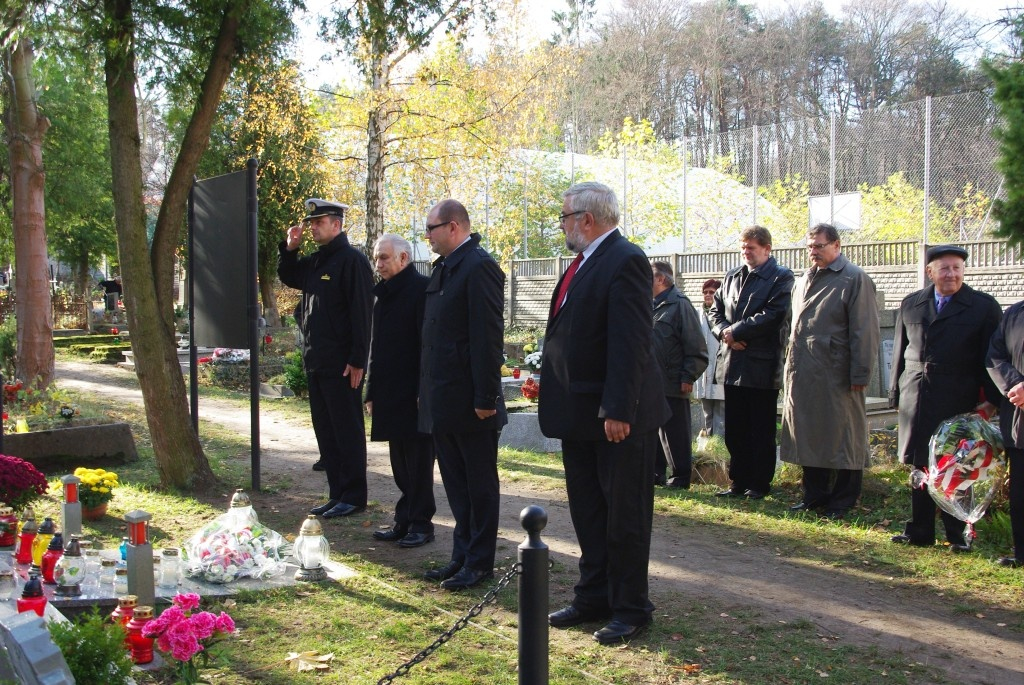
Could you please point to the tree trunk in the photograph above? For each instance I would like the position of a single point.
(267, 274)
(179, 456)
(25, 132)
(376, 126)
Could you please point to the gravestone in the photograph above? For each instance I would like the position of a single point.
(28, 655)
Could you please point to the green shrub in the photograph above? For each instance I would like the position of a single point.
(295, 373)
(8, 346)
(94, 650)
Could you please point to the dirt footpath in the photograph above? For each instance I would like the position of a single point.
(853, 606)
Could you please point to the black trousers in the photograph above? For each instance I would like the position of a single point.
(921, 526)
(834, 489)
(412, 464)
(679, 436)
(469, 471)
(337, 412)
(611, 502)
(750, 436)
(1016, 458)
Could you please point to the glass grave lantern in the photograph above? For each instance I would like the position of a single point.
(311, 549)
(71, 569)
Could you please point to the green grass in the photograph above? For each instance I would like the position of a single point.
(374, 622)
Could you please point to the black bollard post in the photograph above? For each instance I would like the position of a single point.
(533, 599)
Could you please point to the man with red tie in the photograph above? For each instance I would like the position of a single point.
(601, 394)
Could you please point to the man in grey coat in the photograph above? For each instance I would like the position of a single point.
(750, 315)
(682, 354)
(938, 371)
(834, 343)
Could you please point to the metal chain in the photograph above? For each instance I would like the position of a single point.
(490, 597)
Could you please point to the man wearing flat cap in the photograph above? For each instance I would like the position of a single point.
(938, 371)
(334, 317)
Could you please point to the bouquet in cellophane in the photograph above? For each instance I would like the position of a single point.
(966, 467)
(235, 545)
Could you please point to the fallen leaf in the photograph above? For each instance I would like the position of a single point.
(691, 669)
(309, 661)
(677, 636)
(979, 615)
(367, 523)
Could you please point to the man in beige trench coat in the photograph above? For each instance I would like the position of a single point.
(833, 347)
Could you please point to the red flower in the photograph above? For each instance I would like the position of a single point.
(267, 339)
(113, 331)
(205, 360)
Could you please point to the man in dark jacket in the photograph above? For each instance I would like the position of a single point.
(683, 355)
(460, 388)
(336, 284)
(392, 386)
(601, 393)
(750, 316)
(938, 371)
(1006, 367)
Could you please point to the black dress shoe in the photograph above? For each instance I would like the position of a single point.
(659, 480)
(753, 494)
(342, 509)
(677, 483)
(571, 616)
(731, 492)
(466, 578)
(415, 540)
(957, 548)
(904, 539)
(316, 511)
(804, 506)
(1011, 562)
(835, 514)
(319, 466)
(443, 573)
(393, 534)
(617, 632)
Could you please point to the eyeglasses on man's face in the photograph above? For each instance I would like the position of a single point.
(819, 246)
(563, 217)
(431, 227)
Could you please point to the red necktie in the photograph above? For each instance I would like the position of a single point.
(569, 273)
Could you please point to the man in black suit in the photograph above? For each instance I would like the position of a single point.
(392, 386)
(460, 388)
(750, 316)
(601, 393)
(336, 284)
(938, 371)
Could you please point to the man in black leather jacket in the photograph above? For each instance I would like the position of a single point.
(750, 316)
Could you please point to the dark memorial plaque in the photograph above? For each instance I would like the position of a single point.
(220, 262)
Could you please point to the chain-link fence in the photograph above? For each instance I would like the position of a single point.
(921, 171)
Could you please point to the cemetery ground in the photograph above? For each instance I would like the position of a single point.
(745, 591)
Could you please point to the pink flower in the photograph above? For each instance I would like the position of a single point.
(225, 623)
(203, 624)
(186, 600)
(184, 644)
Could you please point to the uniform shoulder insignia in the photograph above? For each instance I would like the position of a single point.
(325, 277)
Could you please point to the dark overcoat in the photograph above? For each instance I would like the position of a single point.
(1005, 365)
(598, 356)
(938, 363)
(756, 304)
(392, 383)
(463, 343)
